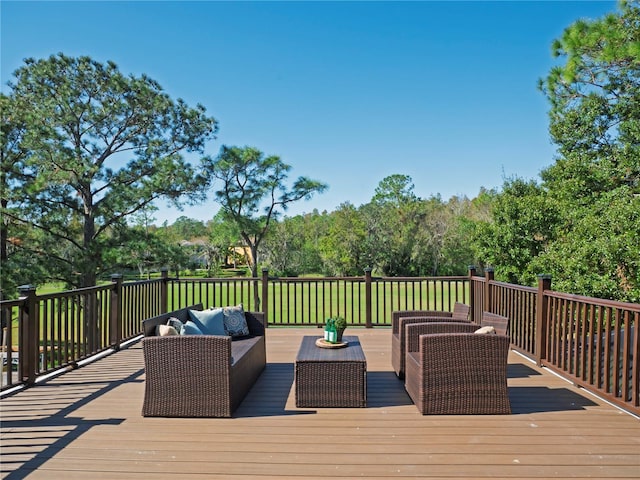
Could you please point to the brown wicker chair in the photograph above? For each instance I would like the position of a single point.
(454, 371)
(201, 375)
(400, 318)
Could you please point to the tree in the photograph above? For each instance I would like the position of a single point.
(13, 155)
(103, 146)
(223, 236)
(600, 255)
(442, 245)
(595, 102)
(396, 190)
(291, 247)
(391, 224)
(343, 248)
(254, 192)
(146, 247)
(581, 223)
(186, 228)
(523, 224)
(595, 123)
(283, 248)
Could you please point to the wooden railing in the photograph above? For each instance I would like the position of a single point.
(594, 343)
(43, 334)
(53, 331)
(362, 301)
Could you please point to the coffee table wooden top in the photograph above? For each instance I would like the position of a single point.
(309, 352)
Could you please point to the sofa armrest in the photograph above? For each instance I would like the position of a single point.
(255, 322)
(195, 355)
(187, 376)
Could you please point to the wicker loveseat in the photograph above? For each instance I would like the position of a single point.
(200, 375)
(400, 318)
(451, 370)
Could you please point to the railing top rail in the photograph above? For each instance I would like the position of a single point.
(74, 293)
(12, 303)
(142, 282)
(633, 307)
(315, 279)
(213, 280)
(318, 279)
(422, 279)
(512, 286)
(329, 279)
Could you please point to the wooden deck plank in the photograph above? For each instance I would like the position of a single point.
(87, 424)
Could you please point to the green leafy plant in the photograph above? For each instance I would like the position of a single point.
(339, 322)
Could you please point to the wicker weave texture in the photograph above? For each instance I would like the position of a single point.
(330, 377)
(400, 318)
(459, 373)
(187, 376)
(499, 322)
(414, 330)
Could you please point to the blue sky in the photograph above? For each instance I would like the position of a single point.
(345, 92)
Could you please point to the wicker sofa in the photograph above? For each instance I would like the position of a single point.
(401, 318)
(200, 375)
(450, 370)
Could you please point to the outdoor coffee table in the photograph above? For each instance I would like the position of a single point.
(331, 377)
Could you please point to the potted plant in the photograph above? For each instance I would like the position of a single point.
(341, 325)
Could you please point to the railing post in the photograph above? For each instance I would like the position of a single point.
(164, 290)
(367, 298)
(265, 295)
(29, 337)
(115, 311)
(488, 276)
(542, 319)
(472, 273)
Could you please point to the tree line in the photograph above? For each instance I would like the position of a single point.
(395, 234)
(87, 151)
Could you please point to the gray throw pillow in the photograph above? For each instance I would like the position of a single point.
(175, 323)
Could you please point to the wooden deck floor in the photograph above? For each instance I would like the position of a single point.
(86, 424)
